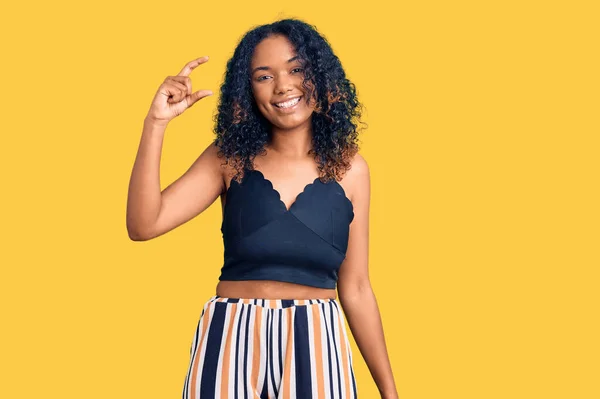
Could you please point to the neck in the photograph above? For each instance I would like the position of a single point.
(291, 143)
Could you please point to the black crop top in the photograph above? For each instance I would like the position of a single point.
(263, 240)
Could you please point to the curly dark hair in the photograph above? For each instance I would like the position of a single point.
(242, 131)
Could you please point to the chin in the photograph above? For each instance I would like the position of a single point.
(291, 124)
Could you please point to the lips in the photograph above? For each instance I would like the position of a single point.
(288, 104)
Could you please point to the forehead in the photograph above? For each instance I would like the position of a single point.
(272, 51)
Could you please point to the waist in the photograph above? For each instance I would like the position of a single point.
(266, 304)
(268, 289)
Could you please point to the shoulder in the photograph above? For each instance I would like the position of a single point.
(357, 179)
(359, 166)
(210, 162)
(213, 155)
(220, 163)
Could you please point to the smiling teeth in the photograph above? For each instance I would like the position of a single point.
(288, 104)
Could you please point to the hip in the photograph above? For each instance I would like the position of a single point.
(269, 289)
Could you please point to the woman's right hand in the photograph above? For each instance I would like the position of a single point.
(175, 95)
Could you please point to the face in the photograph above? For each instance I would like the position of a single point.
(277, 80)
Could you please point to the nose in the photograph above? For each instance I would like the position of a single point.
(283, 83)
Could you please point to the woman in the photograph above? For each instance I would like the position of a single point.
(295, 196)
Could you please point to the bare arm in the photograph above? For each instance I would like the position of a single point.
(356, 295)
(151, 213)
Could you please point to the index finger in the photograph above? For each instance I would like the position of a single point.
(191, 65)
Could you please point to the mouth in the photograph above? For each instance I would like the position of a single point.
(288, 105)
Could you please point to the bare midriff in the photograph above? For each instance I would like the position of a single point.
(268, 289)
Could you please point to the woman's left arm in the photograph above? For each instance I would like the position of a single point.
(354, 288)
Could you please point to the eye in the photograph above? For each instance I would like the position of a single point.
(260, 78)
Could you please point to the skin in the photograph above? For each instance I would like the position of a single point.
(287, 156)
(274, 79)
(289, 167)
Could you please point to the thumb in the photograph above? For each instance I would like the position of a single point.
(194, 97)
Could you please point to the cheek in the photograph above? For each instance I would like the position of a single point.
(261, 97)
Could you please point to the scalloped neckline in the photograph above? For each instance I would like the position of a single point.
(278, 194)
(301, 193)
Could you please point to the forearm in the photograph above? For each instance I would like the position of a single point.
(144, 196)
(364, 320)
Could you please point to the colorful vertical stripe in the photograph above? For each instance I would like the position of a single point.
(270, 349)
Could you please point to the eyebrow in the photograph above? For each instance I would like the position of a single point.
(266, 68)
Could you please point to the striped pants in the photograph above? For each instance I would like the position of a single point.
(270, 348)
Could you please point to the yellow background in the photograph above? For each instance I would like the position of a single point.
(483, 146)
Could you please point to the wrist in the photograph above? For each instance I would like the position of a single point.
(155, 123)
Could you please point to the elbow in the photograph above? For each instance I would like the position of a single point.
(136, 237)
(138, 228)
(138, 234)
(354, 290)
